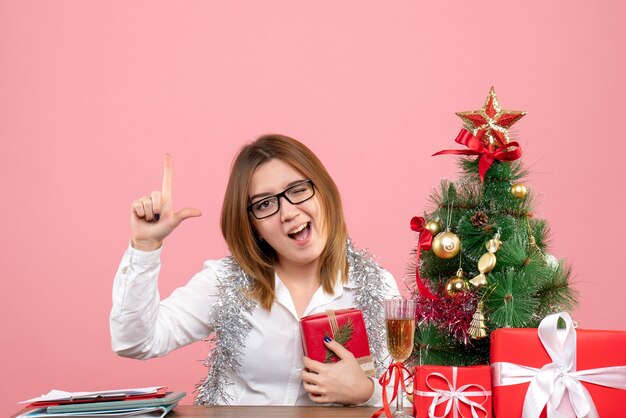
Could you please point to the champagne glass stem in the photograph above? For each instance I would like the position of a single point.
(399, 399)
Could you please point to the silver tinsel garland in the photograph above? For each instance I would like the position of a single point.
(231, 332)
(232, 327)
(369, 298)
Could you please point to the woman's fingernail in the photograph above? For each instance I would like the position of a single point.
(157, 216)
(327, 339)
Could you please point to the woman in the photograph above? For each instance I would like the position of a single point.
(283, 222)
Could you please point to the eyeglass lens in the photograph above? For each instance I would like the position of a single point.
(295, 194)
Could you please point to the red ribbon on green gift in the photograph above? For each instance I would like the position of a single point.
(488, 153)
(425, 241)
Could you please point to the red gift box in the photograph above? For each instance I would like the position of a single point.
(346, 326)
(447, 391)
(590, 349)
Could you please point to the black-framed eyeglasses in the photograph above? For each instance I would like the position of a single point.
(268, 206)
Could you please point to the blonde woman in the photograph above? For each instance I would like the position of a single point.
(283, 222)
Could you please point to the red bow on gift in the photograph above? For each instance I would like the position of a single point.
(398, 370)
(425, 241)
(453, 396)
(488, 154)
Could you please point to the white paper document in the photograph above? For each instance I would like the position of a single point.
(60, 395)
(151, 412)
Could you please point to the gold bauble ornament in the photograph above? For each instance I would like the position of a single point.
(433, 226)
(456, 284)
(446, 244)
(518, 190)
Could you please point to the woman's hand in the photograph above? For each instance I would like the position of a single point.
(342, 382)
(152, 217)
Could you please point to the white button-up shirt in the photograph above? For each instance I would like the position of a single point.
(143, 326)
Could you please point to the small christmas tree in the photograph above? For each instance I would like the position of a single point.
(482, 260)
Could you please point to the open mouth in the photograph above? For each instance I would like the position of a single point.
(301, 233)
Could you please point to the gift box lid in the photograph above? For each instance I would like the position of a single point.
(594, 348)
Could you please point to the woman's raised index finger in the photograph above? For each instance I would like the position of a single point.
(166, 191)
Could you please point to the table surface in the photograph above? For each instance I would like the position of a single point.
(189, 411)
(192, 411)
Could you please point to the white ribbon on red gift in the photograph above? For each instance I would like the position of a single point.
(549, 384)
(453, 396)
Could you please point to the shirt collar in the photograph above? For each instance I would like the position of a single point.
(320, 298)
(282, 295)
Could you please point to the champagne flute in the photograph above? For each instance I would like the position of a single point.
(400, 319)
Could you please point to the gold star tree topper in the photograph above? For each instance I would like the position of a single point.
(491, 124)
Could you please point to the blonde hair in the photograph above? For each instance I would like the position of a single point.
(255, 256)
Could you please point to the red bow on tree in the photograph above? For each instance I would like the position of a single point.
(425, 241)
(488, 153)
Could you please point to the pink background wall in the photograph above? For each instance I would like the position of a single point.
(92, 94)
